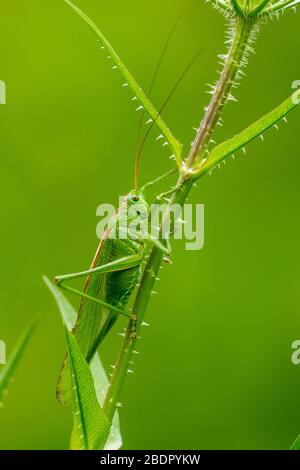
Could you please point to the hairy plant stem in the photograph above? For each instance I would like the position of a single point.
(222, 91)
(184, 185)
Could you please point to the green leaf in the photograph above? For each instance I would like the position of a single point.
(114, 441)
(296, 444)
(91, 426)
(7, 374)
(68, 313)
(130, 81)
(239, 141)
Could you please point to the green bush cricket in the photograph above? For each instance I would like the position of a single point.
(114, 274)
(117, 266)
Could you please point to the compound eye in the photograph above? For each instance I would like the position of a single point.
(135, 198)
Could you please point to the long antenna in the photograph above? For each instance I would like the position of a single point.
(156, 72)
(186, 70)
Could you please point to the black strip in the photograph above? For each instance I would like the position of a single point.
(133, 459)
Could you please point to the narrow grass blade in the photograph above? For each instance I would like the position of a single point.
(296, 444)
(114, 441)
(68, 313)
(239, 141)
(130, 81)
(7, 374)
(91, 426)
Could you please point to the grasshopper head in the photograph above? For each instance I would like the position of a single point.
(135, 215)
(137, 205)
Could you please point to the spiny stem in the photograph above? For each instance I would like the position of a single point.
(131, 335)
(242, 30)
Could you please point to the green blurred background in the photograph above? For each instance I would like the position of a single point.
(214, 370)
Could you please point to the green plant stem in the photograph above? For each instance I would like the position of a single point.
(128, 346)
(243, 27)
(184, 185)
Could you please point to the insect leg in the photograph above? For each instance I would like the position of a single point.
(169, 246)
(158, 180)
(166, 194)
(165, 249)
(94, 299)
(118, 265)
